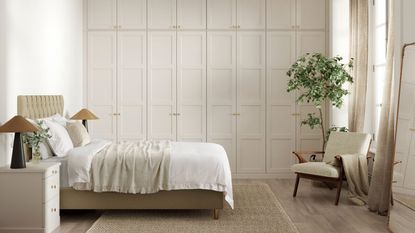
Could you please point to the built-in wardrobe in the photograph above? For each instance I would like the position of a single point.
(204, 70)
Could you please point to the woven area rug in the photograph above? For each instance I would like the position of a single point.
(256, 210)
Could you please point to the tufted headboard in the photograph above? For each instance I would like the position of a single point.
(39, 106)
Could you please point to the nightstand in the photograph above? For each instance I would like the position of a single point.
(29, 198)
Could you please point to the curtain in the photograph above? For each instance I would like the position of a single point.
(359, 43)
(380, 187)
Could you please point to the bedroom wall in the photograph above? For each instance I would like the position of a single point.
(40, 53)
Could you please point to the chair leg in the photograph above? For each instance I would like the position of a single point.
(297, 180)
(339, 189)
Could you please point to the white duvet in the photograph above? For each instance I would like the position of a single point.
(192, 166)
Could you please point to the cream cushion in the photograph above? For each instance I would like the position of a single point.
(78, 134)
(317, 168)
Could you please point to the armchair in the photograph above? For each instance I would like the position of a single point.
(331, 168)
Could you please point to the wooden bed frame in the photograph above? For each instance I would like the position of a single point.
(41, 106)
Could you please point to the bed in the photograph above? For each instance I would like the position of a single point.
(35, 107)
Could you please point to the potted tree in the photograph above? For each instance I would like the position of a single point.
(320, 79)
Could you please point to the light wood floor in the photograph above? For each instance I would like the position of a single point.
(313, 210)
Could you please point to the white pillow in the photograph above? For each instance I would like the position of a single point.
(45, 150)
(59, 119)
(60, 142)
(78, 134)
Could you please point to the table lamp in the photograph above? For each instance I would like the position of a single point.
(17, 125)
(84, 115)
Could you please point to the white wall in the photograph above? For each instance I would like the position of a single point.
(40, 53)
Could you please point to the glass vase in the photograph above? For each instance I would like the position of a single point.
(36, 157)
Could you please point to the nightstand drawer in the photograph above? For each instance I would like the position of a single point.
(52, 218)
(53, 170)
(51, 187)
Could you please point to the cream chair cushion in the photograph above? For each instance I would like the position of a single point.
(341, 143)
(317, 168)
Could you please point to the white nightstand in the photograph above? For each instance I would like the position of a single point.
(29, 198)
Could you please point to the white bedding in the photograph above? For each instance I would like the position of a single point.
(192, 166)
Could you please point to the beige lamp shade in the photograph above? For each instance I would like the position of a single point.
(17, 124)
(84, 114)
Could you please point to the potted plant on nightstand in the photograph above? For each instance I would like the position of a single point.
(33, 140)
(320, 79)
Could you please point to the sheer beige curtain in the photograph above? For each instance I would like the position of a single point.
(359, 43)
(380, 186)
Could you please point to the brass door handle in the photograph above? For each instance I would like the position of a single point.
(236, 114)
(116, 114)
(295, 114)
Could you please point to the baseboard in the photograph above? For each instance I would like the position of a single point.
(403, 190)
(282, 175)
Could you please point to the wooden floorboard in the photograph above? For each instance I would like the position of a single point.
(313, 210)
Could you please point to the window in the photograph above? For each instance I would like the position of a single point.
(378, 58)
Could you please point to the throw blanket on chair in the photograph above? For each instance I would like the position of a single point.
(131, 167)
(355, 169)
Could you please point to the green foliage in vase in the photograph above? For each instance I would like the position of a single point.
(319, 79)
(34, 139)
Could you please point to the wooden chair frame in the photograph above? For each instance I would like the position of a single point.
(338, 181)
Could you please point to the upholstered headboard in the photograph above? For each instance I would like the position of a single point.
(39, 106)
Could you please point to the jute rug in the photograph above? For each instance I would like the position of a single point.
(256, 210)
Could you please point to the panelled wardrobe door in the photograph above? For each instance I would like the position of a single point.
(221, 88)
(102, 82)
(221, 14)
(251, 102)
(161, 14)
(161, 85)
(281, 106)
(309, 42)
(102, 14)
(191, 86)
(132, 96)
(132, 14)
(281, 14)
(311, 14)
(251, 14)
(191, 14)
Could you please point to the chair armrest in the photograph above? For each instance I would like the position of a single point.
(300, 155)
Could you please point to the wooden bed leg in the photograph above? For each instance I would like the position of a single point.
(216, 214)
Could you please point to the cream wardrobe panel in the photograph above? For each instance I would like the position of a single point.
(403, 173)
(161, 85)
(281, 107)
(221, 92)
(251, 14)
(161, 14)
(102, 14)
(191, 14)
(311, 42)
(132, 86)
(191, 86)
(251, 102)
(281, 14)
(132, 14)
(102, 80)
(221, 14)
(311, 14)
